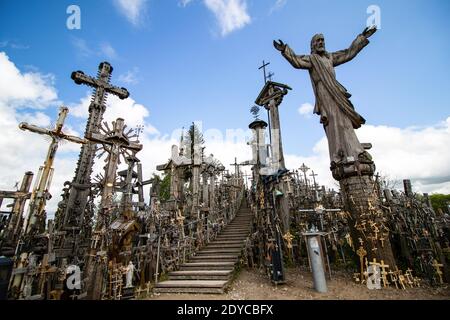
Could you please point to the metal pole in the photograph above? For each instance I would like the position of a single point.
(315, 254)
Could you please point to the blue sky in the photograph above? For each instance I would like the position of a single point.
(186, 68)
(183, 66)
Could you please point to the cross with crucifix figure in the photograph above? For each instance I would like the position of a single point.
(304, 169)
(361, 252)
(40, 195)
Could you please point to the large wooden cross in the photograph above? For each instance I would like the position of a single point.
(74, 212)
(34, 222)
(41, 190)
(12, 225)
(237, 168)
(116, 142)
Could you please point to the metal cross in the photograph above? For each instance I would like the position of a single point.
(138, 130)
(264, 65)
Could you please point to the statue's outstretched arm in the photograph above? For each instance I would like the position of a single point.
(343, 56)
(297, 61)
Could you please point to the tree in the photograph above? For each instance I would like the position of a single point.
(386, 182)
(440, 201)
(192, 138)
(164, 191)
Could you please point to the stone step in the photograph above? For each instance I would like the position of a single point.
(224, 246)
(200, 275)
(214, 258)
(210, 269)
(233, 238)
(218, 251)
(209, 265)
(228, 256)
(221, 237)
(191, 286)
(237, 227)
(227, 242)
(224, 236)
(239, 233)
(190, 290)
(235, 232)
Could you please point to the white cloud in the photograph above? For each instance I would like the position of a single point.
(306, 110)
(184, 3)
(26, 151)
(13, 45)
(134, 113)
(38, 118)
(130, 77)
(108, 51)
(81, 109)
(419, 154)
(231, 15)
(277, 5)
(82, 47)
(133, 10)
(30, 89)
(103, 50)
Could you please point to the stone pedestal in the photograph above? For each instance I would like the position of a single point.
(366, 221)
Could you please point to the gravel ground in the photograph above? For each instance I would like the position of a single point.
(254, 285)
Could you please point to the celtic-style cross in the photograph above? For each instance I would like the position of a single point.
(116, 142)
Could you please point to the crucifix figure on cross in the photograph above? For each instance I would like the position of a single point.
(34, 222)
(40, 193)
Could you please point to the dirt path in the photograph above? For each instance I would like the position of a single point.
(254, 285)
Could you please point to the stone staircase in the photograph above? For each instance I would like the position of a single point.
(211, 269)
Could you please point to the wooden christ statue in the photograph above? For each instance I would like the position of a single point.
(336, 111)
